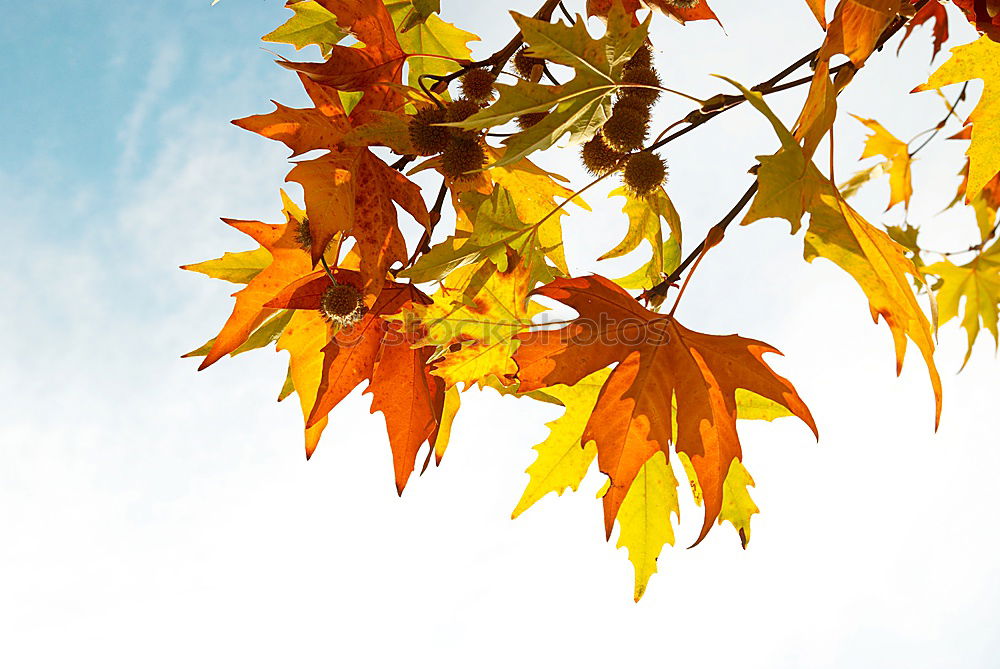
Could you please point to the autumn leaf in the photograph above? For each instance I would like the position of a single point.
(790, 187)
(239, 267)
(399, 378)
(655, 358)
(579, 107)
(473, 321)
(897, 164)
(645, 216)
(935, 11)
(984, 14)
(978, 282)
(429, 36)
(563, 460)
(856, 27)
(311, 24)
(288, 262)
(978, 60)
(818, 9)
(372, 69)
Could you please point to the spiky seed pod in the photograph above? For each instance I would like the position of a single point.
(684, 4)
(645, 76)
(598, 157)
(462, 155)
(460, 110)
(524, 64)
(426, 137)
(641, 58)
(342, 304)
(525, 121)
(644, 172)
(303, 235)
(477, 85)
(627, 127)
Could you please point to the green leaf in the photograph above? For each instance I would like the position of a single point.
(235, 267)
(421, 31)
(311, 24)
(579, 107)
(267, 333)
(496, 229)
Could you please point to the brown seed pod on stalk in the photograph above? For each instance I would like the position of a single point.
(598, 157)
(525, 121)
(641, 58)
(645, 76)
(626, 129)
(342, 304)
(477, 85)
(644, 172)
(428, 138)
(525, 64)
(462, 155)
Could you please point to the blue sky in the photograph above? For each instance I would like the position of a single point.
(154, 516)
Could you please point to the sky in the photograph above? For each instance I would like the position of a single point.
(158, 517)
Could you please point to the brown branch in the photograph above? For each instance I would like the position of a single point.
(723, 102)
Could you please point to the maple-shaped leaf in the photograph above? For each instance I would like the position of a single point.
(790, 187)
(579, 107)
(935, 11)
(700, 12)
(426, 38)
(288, 262)
(978, 60)
(897, 160)
(655, 359)
(984, 14)
(978, 282)
(311, 24)
(410, 398)
(474, 319)
(497, 231)
(373, 68)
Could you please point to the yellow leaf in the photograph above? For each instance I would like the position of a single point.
(979, 283)
(791, 186)
(562, 460)
(737, 505)
(978, 60)
(897, 154)
(644, 518)
(452, 402)
(235, 267)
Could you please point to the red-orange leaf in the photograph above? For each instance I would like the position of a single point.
(932, 10)
(354, 192)
(288, 263)
(984, 14)
(657, 359)
(302, 130)
(373, 68)
(409, 397)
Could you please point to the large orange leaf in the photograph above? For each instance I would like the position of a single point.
(288, 262)
(409, 397)
(656, 359)
(932, 10)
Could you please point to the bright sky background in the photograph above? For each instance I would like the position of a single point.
(155, 517)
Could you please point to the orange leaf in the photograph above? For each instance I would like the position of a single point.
(984, 14)
(818, 8)
(289, 262)
(856, 27)
(657, 359)
(373, 68)
(409, 397)
(932, 10)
